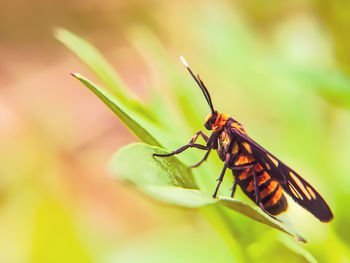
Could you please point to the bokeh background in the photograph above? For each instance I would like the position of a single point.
(280, 67)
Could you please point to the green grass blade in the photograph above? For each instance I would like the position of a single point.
(99, 65)
(92, 57)
(122, 112)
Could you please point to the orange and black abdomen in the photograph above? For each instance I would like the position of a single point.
(271, 192)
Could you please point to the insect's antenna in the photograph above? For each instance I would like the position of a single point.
(207, 92)
(200, 84)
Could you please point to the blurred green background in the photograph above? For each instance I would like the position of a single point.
(280, 67)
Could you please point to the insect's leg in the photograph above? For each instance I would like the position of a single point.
(257, 195)
(227, 161)
(201, 161)
(190, 144)
(241, 167)
(257, 192)
(194, 138)
(234, 186)
(244, 166)
(205, 137)
(181, 149)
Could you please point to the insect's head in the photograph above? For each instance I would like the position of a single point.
(211, 120)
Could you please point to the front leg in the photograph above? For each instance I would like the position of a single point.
(183, 148)
(201, 161)
(190, 145)
(206, 139)
(194, 138)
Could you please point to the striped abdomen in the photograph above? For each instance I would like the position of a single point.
(271, 192)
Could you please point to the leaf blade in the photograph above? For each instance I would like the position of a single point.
(122, 113)
(150, 170)
(183, 197)
(257, 215)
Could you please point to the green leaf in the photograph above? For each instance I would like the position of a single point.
(258, 215)
(136, 165)
(190, 198)
(118, 109)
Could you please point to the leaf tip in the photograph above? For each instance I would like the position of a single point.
(301, 239)
(58, 32)
(76, 75)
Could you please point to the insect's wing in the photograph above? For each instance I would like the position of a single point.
(293, 184)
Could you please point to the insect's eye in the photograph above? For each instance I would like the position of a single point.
(210, 120)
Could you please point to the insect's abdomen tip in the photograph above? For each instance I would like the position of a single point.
(327, 219)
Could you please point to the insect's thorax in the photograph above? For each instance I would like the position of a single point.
(229, 140)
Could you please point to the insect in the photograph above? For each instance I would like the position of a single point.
(261, 176)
